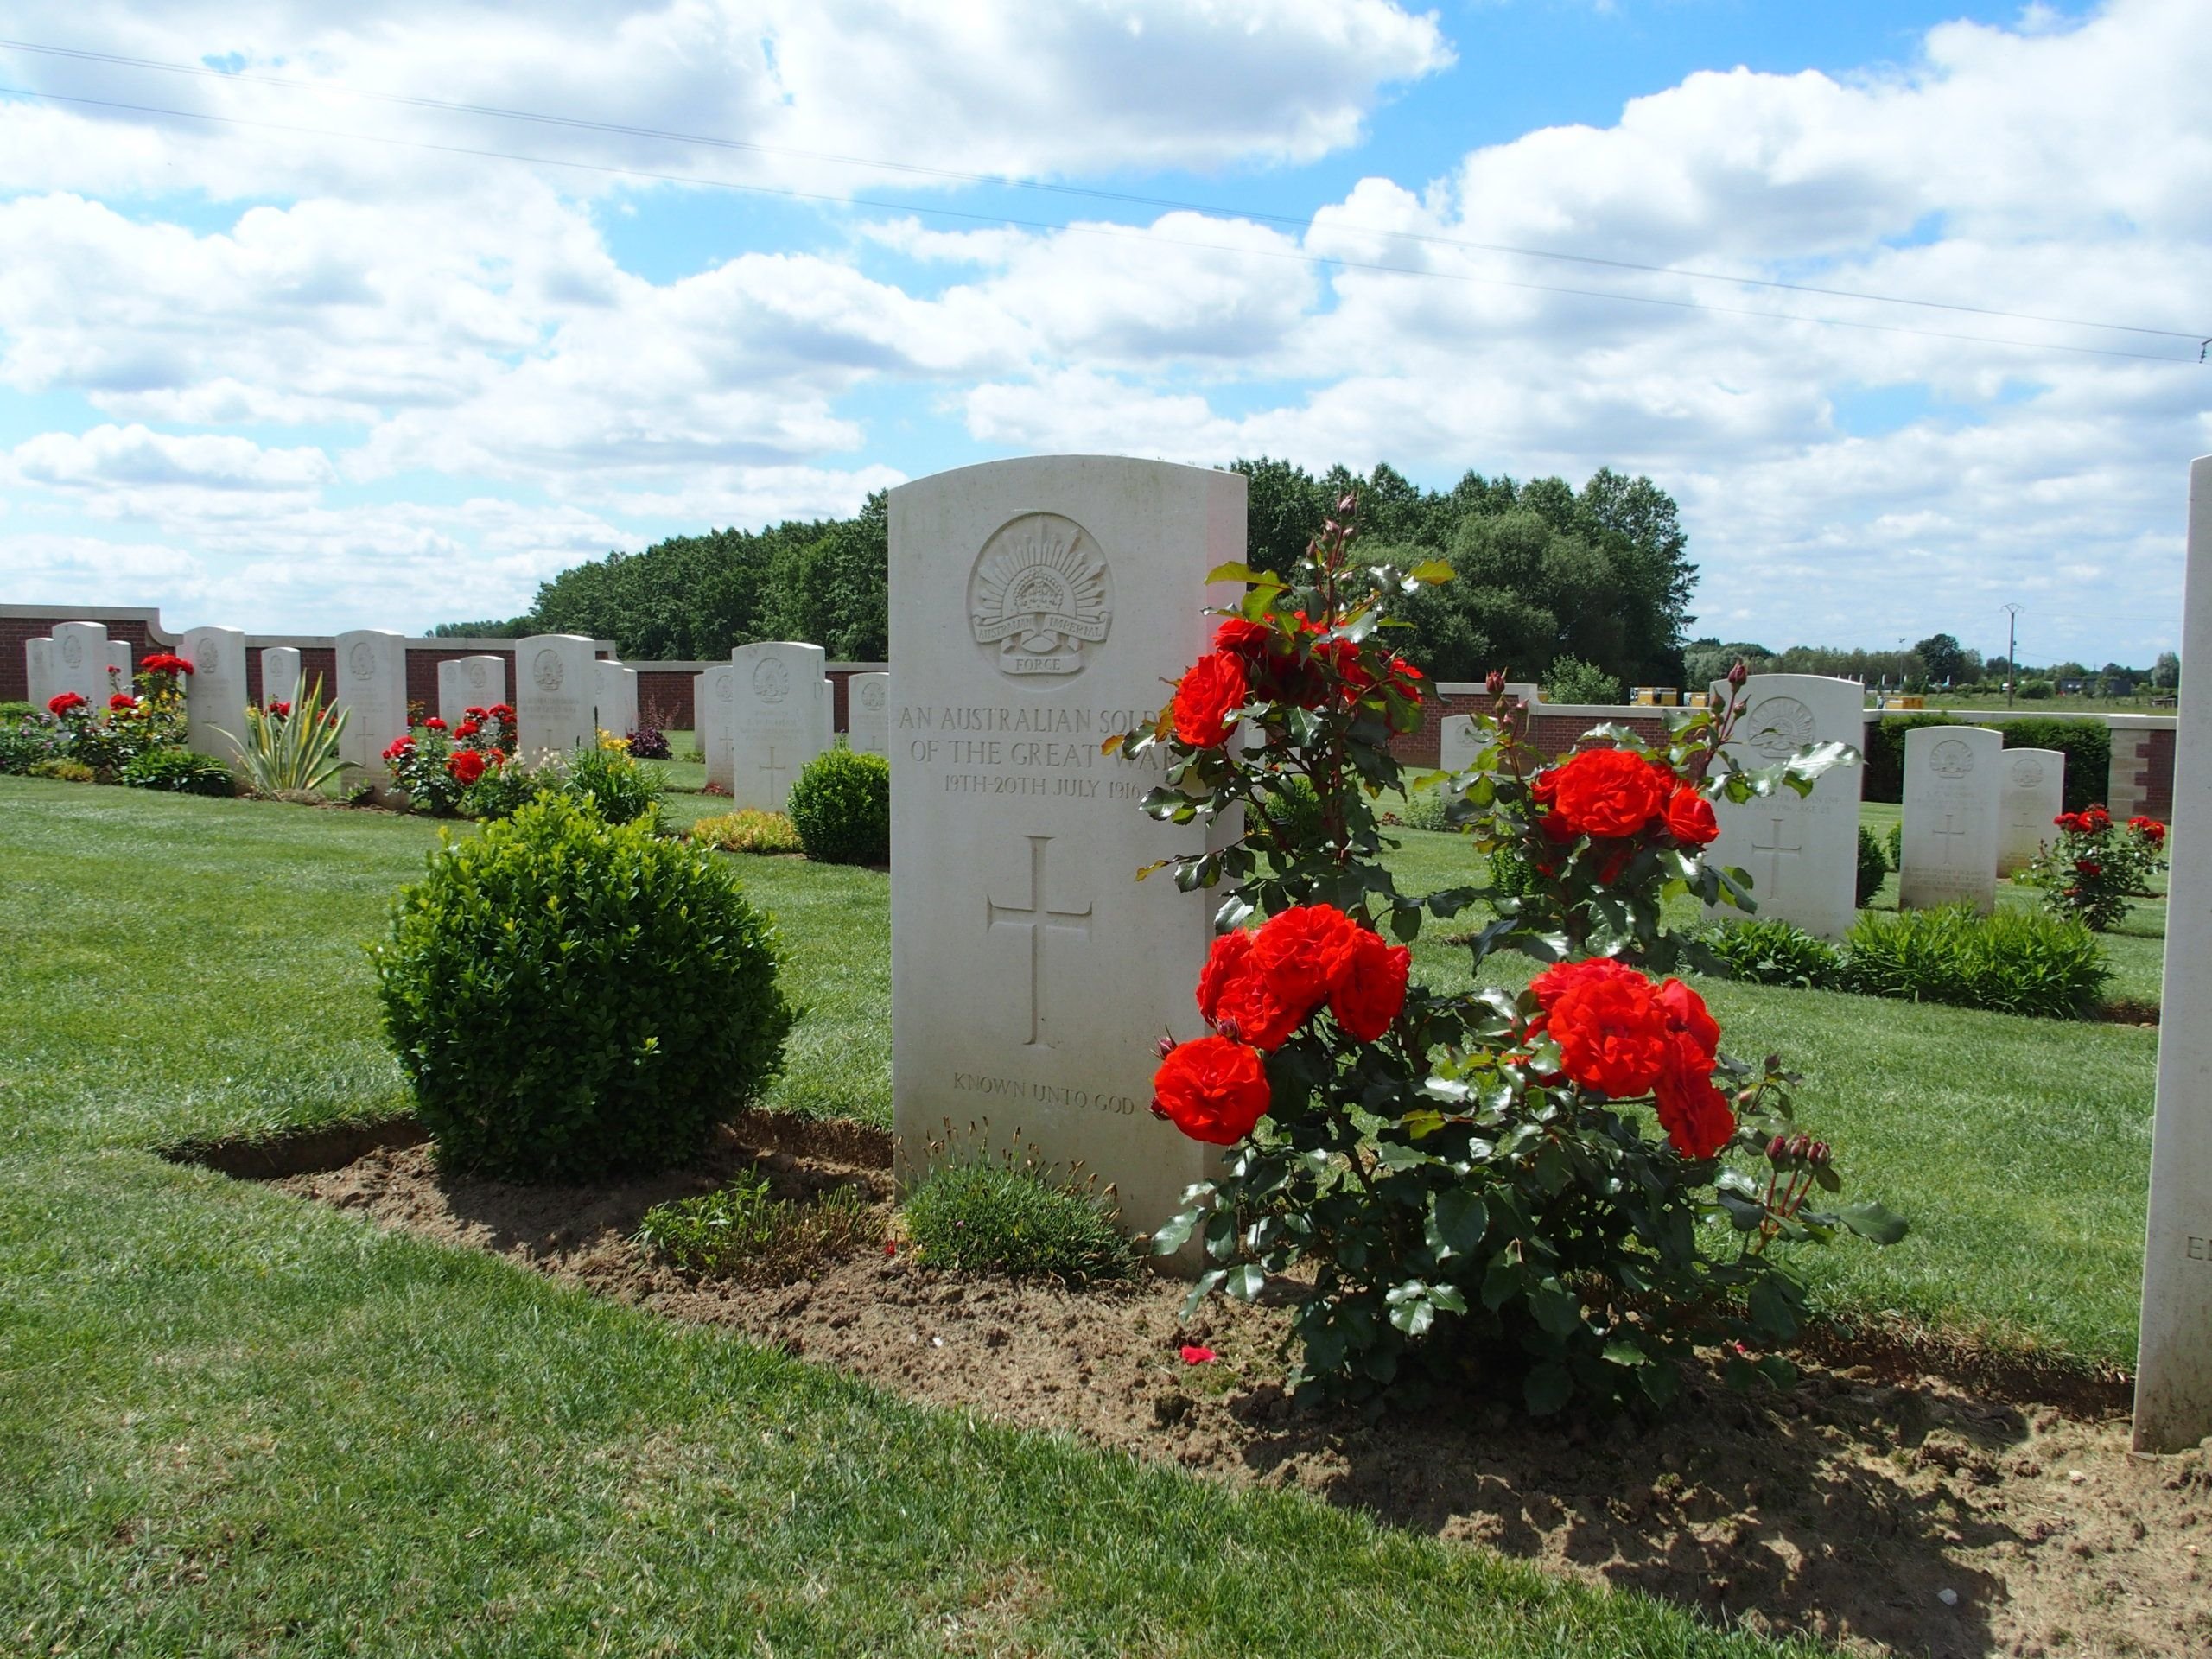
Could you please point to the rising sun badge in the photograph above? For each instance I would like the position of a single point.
(1040, 592)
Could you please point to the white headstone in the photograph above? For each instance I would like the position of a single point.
(280, 676)
(372, 688)
(466, 683)
(2173, 1375)
(777, 691)
(2031, 792)
(41, 687)
(1037, 607)
(867, 714)
(80, 661)
(617, 698)
(118, 665)
(215, 694)
(556, 693)
(1951, 778)
(712, 694)
(1802, 852)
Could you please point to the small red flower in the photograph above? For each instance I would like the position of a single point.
(63, 702)
(467, 728)
(434, 723)
(503, 712)
(398, 749)
(122, 701)
(1610, 1028)
(1194, 1355)
(475, 714)
(1243, 638)
(1213, 1089)
(1694, 1114)
(1689, 818)
(1371, 987)
(280, 709)
(466, 765)
(1302, 952)
(2088, 866)
(1206, 699)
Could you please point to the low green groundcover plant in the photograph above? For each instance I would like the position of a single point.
(180, 771)
(2014, 962)
(841, 807)
(749, 829)
(571, 998)
(63, 770)
(1001, 1215)
(1769, 951)
(743, 1231)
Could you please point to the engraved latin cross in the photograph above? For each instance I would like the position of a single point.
(777, 772)
(1034, 918)
(1944, 837)
(1775, 850)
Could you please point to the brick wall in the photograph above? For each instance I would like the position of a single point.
(2142, 776)
(19, 625)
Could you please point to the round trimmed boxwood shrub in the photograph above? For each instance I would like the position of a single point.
(572, 998)
(841, 807)
(181, 771)
(1873, 866)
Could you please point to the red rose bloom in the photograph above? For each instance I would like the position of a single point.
(466, 764)
(1608, 1023)
(1692, 1033)
(400, 747)
(1302, 952)
(2088, 866)
(1372, 986)
(1603, 793)
(1249, 1010)
(63, 701)
(1243, 638)
(1694, 1114)
(1689, 818)
(503, 712)
(282, 710)
(2096, 820)
(121, 701)
(467, 728)
(1212, 1090)
(1206, 697)
(435, 724)
(474, 713)
(1226, 962)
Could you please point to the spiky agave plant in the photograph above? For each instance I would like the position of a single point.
(294, 752)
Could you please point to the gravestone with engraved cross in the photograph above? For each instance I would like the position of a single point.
(2031, 792)
(373, 688)
(1038, 606)
(711, 696)
(79, 662)
(1950, 817)
(280, 676)
(40, 683)
(867, 714)
(557, 695)
(777, 722)
(466, 683)
(2173, 1378)
(1801, 853)
(215, 692)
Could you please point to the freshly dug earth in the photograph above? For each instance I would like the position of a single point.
(1889, 1509)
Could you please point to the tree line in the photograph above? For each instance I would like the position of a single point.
(1551, 579)
(1937, 663)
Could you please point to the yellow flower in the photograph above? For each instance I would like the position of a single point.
(614, 745)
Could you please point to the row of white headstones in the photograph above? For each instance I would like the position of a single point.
(760, 719)
(1040, 606)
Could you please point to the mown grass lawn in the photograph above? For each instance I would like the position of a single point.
(234, 1421)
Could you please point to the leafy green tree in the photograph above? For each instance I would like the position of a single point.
(2166, 673)
(1572, 680)
(1942, 659)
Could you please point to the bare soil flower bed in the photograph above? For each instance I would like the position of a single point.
(1901, 1499)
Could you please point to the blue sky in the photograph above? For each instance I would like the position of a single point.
(304, 367)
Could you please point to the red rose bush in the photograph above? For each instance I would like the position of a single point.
(437, 765)
(2094, 866)
(1560, 1190)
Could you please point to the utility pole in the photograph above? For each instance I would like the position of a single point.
(2011, 651)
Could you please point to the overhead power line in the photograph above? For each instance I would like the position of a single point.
(1108, 229)
(2195, 336)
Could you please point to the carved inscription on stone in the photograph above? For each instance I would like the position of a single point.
(1040, 594)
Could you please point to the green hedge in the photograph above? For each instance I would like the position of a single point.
(2087, 745)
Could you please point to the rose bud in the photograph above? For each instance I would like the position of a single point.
(1820, 1152)
(1159, 1111)
(1494, 683)
(1346, 502)
(1166, 1046)
(1800, 1144)
(1738, 673)
(1776, 1147)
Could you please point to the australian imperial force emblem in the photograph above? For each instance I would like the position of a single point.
(1039, 594)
